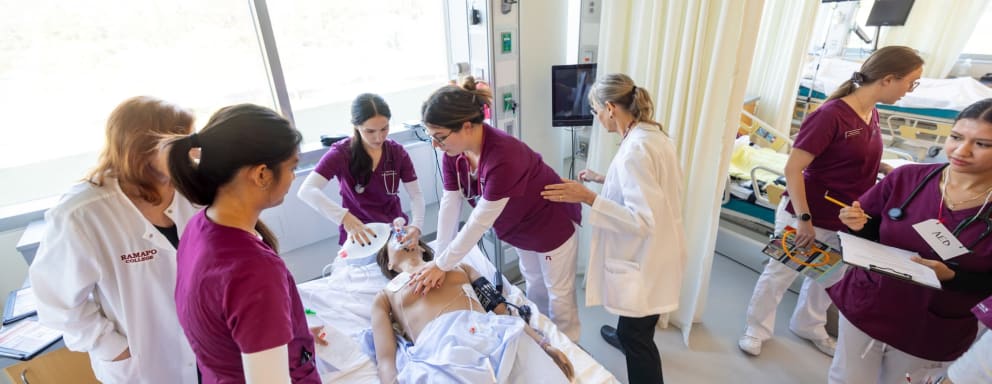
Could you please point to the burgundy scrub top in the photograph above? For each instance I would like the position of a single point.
(380, 200)
(847, 154)
(508, 168)
(234, 295)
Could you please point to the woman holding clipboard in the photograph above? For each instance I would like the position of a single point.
(891, 329)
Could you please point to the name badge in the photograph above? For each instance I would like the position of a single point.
(398, 282)
(983, 311)
(941, 239)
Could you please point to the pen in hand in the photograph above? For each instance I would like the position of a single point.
(838, 202)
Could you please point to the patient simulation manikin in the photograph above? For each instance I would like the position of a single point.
(448, 335)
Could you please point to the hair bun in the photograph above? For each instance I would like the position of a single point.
(468, 83)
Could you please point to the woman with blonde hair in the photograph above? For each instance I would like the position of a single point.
(638, 244)
(106, 267)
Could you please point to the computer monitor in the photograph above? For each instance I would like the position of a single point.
(569, 89)
(889, 13)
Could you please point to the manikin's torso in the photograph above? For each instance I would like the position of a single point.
(414, 311)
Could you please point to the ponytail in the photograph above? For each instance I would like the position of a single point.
(237, 136)
(895, 60)
(845, 88)
(184, 170)
(620, 90)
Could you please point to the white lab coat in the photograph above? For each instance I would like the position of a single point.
(106, 277)
(638, 244)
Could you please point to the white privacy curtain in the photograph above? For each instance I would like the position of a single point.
(778, 61)
(939, 29)
(694, 57)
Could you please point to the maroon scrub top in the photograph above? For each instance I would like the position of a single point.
(921, 321)
(508, 168)
(234, 295)
(380, 201)
(847, 154)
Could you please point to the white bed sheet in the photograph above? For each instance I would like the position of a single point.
(343, 303)
(953, 94)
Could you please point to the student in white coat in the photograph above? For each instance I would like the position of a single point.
(638, 244)
(106, 267)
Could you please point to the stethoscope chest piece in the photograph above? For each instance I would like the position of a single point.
(895, 214)
(359, 189)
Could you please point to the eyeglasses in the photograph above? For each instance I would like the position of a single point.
(440, 140)
(915, 84)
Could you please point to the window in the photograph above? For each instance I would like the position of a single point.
(334, 51)
(66, 65)
(979, 44)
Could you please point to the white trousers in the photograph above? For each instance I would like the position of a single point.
(861, 359)
(550, 278)
(809, 319)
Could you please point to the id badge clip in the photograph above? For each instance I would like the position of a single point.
(940, 239)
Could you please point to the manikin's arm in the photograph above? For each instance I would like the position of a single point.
(384, 339)
(557, 355)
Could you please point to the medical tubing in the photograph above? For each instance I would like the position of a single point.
(814, 249)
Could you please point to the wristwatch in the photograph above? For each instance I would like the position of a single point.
(805, 217)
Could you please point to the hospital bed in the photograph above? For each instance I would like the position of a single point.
(922, 118)
(343, 300)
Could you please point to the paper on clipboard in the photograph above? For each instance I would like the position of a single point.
(20, 304)
(886, 260)
(26, 338)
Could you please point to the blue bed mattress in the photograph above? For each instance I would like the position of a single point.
(751, 209)
(945, 114)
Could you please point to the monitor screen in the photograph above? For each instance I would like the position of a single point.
(889, 13)
(569, 86)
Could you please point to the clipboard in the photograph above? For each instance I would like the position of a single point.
(820, 266)
(885, 260)
(21, 304)
(26, 338)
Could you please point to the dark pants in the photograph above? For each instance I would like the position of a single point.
(643, 360)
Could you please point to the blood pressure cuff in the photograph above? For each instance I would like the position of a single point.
(488, 295)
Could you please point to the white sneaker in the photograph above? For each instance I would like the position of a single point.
(827, 346)
(750, 345)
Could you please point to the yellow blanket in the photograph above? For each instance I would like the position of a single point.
(747, 157)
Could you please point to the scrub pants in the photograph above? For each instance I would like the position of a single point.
(861, 359)
(636, 335)
(550, 278)
(809, 319)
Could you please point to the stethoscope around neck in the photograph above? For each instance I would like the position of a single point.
(388, 178)
(466, 190)
(899, 213)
